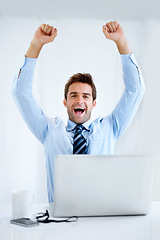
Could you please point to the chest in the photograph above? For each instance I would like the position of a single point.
(99, 139)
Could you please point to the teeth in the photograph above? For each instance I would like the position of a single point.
(79, 108)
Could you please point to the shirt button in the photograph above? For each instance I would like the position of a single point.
(28, 64)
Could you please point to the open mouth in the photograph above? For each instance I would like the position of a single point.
(79, 110)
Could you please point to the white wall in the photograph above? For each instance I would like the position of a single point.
(79, 47)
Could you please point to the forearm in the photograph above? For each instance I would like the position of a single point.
(132, 76)
(34, 49)
(123, 46)
(23, 81)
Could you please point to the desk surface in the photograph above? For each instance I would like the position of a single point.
(126, 228)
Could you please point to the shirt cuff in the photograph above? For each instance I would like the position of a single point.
(128, 59)
(28, 63)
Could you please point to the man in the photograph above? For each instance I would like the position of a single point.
(81, 135)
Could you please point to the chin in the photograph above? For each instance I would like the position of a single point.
(78, 121)
(81, 121)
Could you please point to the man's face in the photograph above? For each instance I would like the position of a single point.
(79, 102)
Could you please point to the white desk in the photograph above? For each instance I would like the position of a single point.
(95, 228)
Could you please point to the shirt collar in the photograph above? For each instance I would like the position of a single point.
(71, 125)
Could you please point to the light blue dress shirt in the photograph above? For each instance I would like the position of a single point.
(101, 134)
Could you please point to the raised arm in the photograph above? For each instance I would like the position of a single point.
(134, 86)
(22, 85)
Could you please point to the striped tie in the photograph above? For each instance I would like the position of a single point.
(79, 145)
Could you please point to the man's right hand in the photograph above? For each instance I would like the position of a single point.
(44, 34)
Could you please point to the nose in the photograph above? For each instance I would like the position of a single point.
(79, 99)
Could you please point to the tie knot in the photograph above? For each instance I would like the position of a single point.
(79, 128)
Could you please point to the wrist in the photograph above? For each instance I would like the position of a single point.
(36, 44)
(34, 49)
(123, 46)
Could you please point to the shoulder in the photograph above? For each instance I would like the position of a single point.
(101, 121)
(55, 122)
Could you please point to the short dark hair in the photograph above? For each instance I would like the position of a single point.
(83, 78)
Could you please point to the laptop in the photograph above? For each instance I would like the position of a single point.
(87, 185)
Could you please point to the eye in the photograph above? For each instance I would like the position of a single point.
(73, 96)
(86, 96)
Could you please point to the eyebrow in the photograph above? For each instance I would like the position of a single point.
(87, 94)
(72, 93)
(82, 93)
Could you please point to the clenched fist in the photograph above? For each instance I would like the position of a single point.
(113, 31)
(45, 34)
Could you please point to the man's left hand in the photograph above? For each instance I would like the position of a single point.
(113, 31)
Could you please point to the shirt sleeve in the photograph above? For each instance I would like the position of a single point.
(28, 107)
(134, 89)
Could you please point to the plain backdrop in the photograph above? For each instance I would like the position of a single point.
(79, 47)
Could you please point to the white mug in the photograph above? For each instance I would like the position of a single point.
(21, 203)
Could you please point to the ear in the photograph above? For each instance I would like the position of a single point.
(93, 104)
(65, 102)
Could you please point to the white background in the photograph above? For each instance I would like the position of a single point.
(79, 47)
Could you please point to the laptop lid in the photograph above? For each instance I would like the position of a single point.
(86, 185)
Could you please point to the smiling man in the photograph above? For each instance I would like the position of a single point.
(79, 99)
(81, 135)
